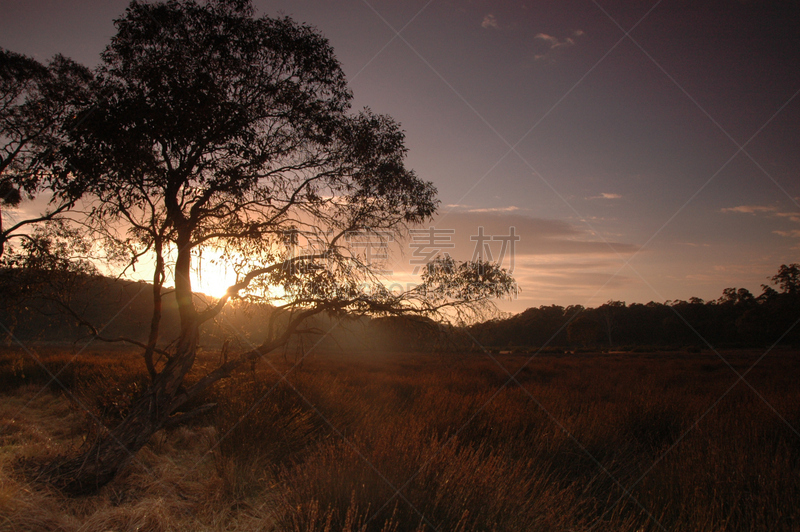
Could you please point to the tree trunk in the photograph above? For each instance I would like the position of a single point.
(96, 467)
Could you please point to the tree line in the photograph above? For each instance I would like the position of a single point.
(736, 318)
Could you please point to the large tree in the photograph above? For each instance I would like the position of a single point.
(213, 129)
(35, 103)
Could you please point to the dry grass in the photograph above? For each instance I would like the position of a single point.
(593, 442)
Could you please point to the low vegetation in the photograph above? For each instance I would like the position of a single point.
(658, 441)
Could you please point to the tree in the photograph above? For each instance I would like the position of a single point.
(211, 129)
(35, 102)
(584, 331)
(611, 312)
(788, 279)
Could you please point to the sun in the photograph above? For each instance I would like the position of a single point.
(211, 275)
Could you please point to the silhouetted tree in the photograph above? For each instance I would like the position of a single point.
(611, 312)
(788, 279)
(585, 332)
(35, 102)
(212, 129)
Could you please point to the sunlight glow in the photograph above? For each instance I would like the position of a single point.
(211, 275)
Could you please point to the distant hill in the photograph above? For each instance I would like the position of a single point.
(33, 309)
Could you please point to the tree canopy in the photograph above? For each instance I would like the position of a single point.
(35, 102)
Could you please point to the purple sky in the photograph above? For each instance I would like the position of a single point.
(641, 150)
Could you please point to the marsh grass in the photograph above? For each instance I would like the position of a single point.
(423, 442)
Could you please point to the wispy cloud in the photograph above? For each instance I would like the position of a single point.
(490, 22)
(553, 43)
(768, 210)
(792, 216)
(606, 195)
(549, 39)
(751, 209)
(793, 233)
(468, 208)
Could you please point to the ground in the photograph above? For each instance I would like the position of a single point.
(585, 441)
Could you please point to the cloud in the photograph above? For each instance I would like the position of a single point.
(468, 208)
(549, 39)
(553, 260)
(606, 195)
(750, 209)
(554, 43)
(794, 233)
(460, 234)
(792, 216)
(769, 210)
(490, 22)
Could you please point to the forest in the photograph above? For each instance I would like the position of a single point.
(737, 318)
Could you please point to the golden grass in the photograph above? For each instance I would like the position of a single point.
(416, 442)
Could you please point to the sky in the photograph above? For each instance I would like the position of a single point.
(610, 150)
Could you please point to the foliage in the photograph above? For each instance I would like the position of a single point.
(788, 278)
(35, 102)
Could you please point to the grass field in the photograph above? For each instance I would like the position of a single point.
(605, 442)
